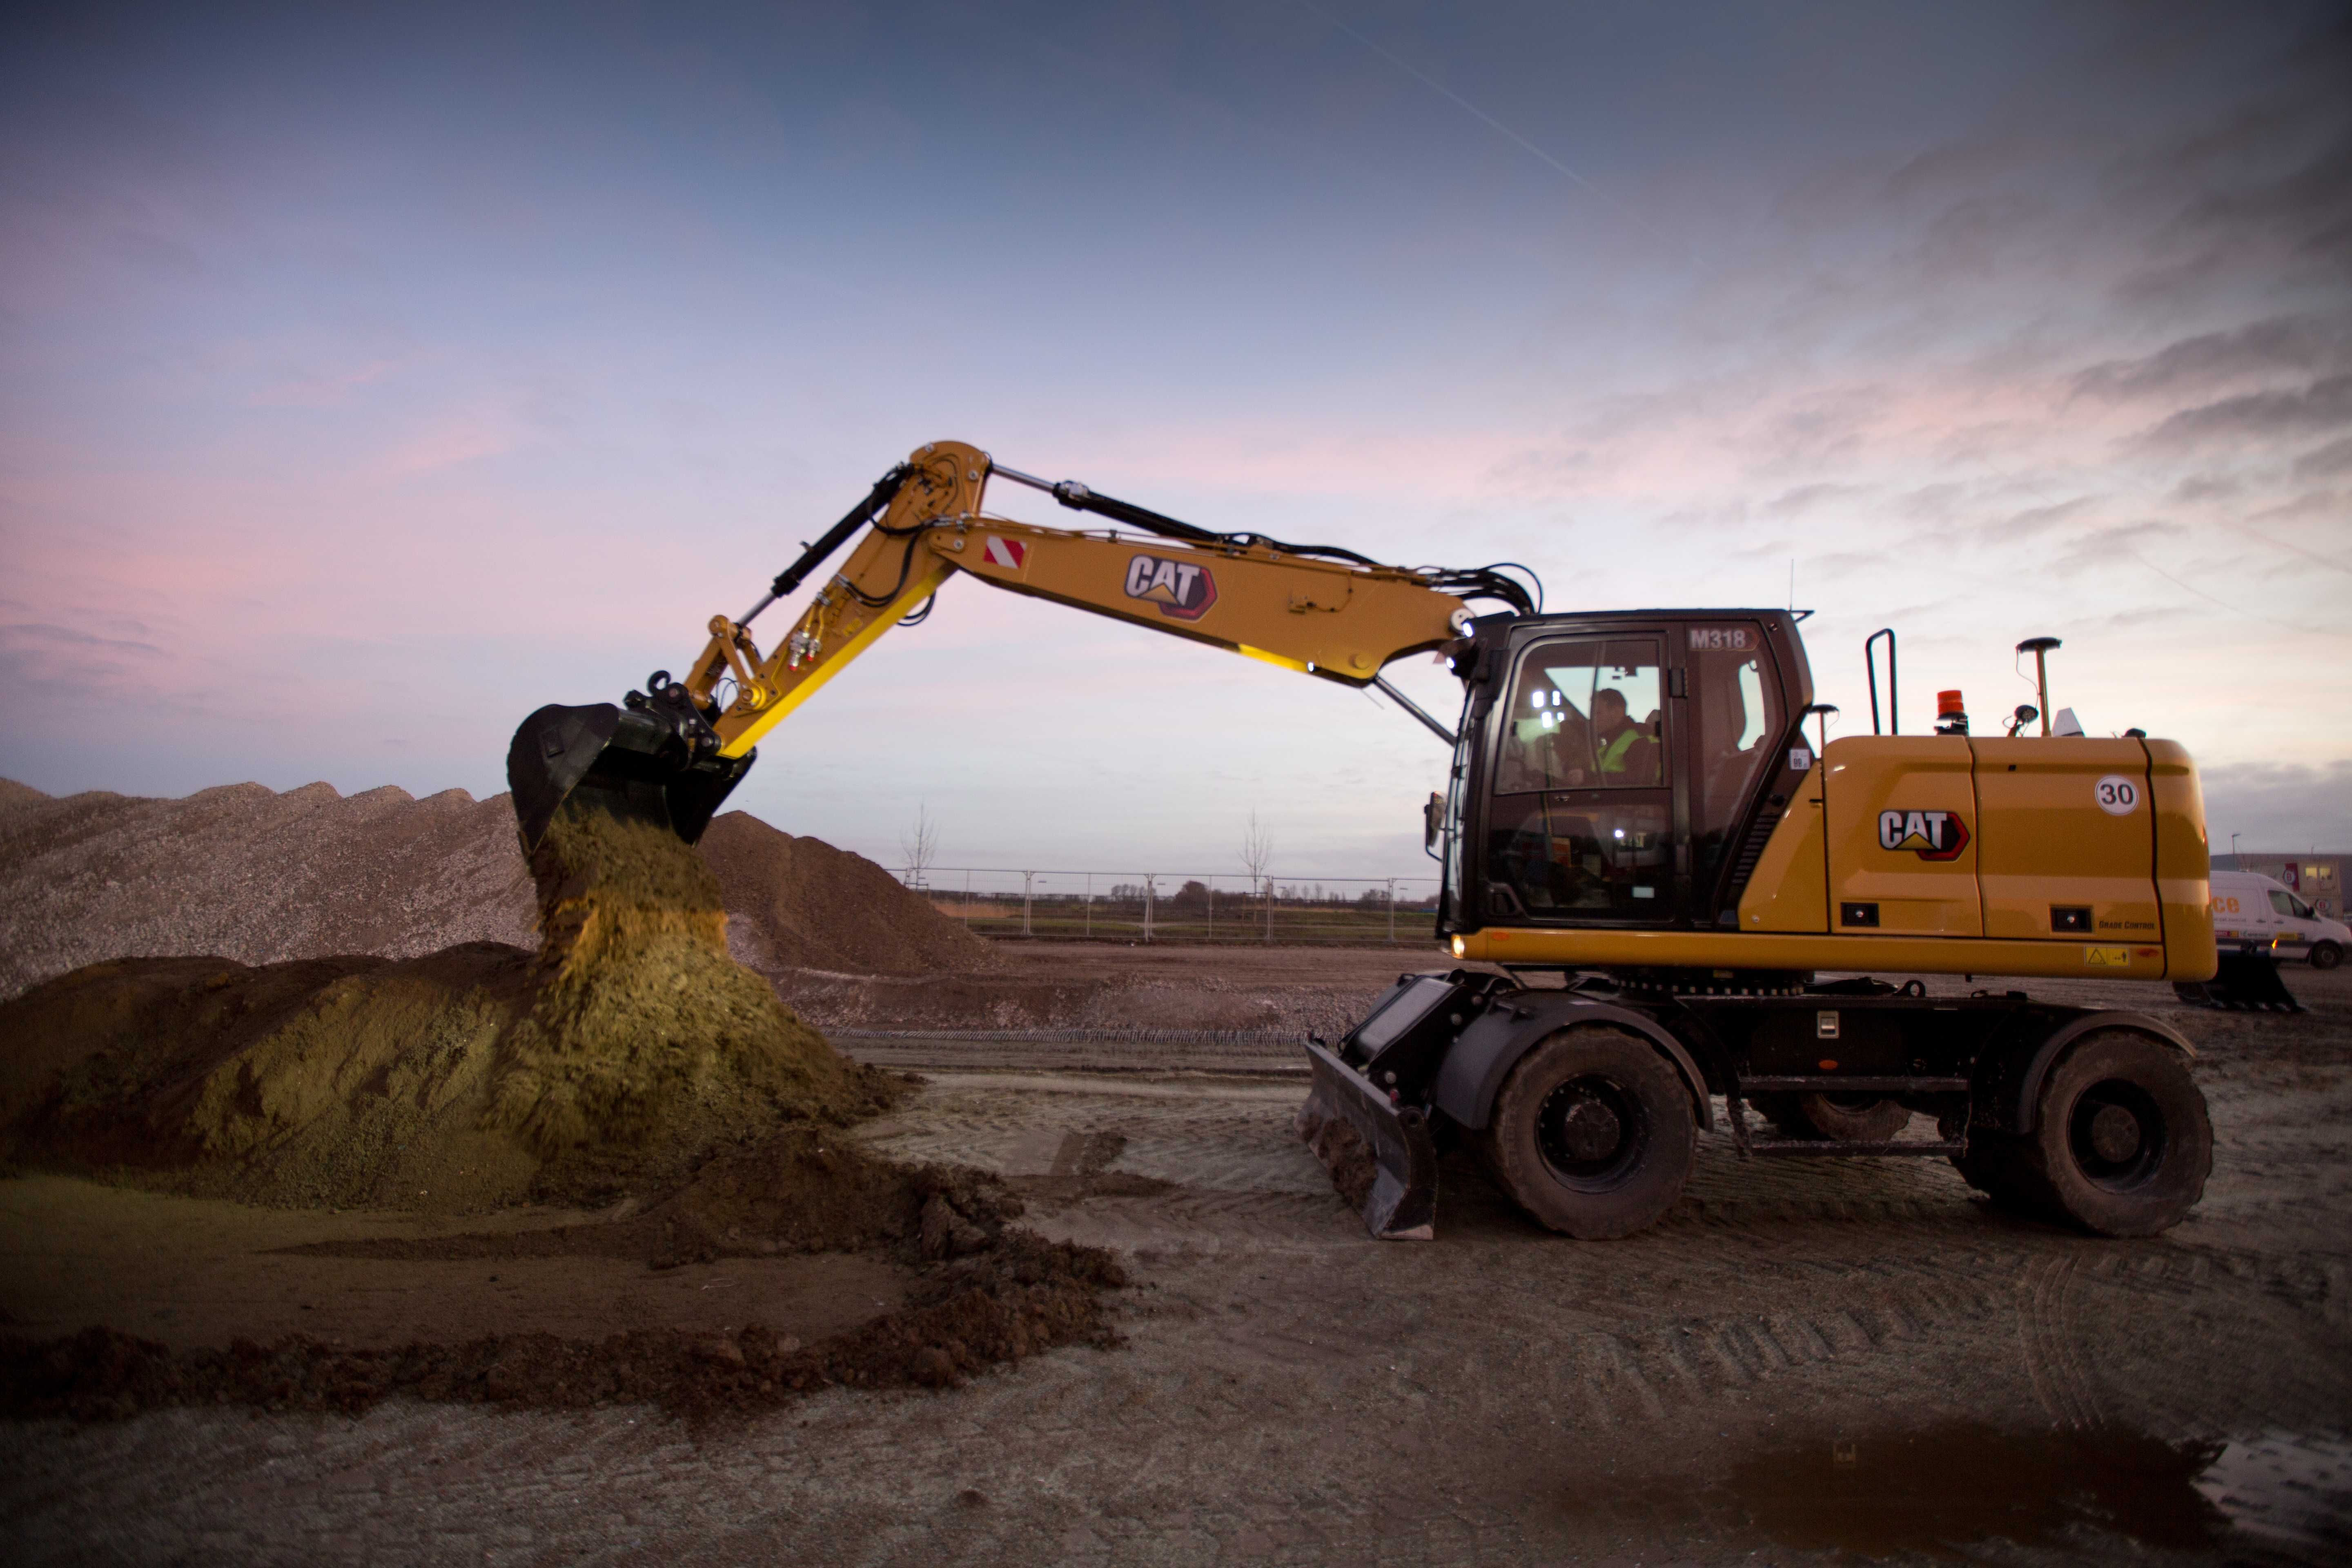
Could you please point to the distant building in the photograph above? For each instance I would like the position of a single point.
(2318, 878)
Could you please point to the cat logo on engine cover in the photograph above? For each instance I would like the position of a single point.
(1183, 589)
(1930, 835)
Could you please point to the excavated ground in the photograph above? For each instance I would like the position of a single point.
(629, 1059)
(1809, 1361)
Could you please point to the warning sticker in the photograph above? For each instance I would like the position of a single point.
(2107, 957)
(1012, 553)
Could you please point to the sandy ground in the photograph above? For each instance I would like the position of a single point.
(190, 1272)
(1806, 1357)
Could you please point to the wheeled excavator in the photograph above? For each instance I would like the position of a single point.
(1648, 867)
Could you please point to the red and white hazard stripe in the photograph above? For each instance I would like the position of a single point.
(1007, 552)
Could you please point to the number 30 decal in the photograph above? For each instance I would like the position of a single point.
(2118, 795)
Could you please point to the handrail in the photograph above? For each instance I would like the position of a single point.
(1869, 667)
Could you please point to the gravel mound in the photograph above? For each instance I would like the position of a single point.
(246, 873)
(249, 874)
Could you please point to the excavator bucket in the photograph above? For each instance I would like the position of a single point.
(653, 761)
(2247, 982)
(1379, 1154)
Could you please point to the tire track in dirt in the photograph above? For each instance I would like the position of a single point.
(2048, 1316)
(1241, 1188)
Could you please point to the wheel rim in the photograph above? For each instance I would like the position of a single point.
(1591, 1132)
(2117, 1134)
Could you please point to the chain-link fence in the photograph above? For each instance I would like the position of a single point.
(1186, 907)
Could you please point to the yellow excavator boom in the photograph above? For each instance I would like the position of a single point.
(1336, 619)
(677, 748)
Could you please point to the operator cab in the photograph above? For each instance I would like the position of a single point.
(1621, 769)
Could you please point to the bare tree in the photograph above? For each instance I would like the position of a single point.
(920, 845)
(1257, 855)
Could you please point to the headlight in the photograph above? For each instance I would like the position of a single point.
(1457, 947)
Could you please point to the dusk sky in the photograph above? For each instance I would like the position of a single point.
(372, 378)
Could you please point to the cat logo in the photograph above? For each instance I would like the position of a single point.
(1930, 835)
(1183, 589)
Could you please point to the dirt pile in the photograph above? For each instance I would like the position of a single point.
(988, 1293)
(614, 1059)
(348, 1082)
(262, 877)
(642, 1032)
(802, 903)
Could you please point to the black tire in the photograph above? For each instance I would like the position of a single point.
(1857, 1118)
(1593, 1133)
(2326, 955)
(1996, 1166)
(2121, 1144)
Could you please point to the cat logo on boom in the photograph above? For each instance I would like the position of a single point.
(1183, 589)
(1930, 835)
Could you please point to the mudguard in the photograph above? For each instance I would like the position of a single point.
(2008, 1087)
(1485, 1053)
(1379, 1154)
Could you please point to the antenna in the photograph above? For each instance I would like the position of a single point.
(2040, 648)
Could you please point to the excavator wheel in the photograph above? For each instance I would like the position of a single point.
(2122, 1143)
(1591, 1133)
(1995, 1164)
(1859, 1117)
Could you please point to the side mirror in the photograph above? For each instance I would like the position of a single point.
(1433, 820)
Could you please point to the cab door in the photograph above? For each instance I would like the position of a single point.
(1581, 825)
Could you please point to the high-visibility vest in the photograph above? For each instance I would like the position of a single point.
(1612, 756)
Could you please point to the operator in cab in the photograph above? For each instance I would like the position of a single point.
(1622, 754)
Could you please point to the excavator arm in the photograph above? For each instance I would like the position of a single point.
(672, 752)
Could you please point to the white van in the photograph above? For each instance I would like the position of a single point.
(2249, 907)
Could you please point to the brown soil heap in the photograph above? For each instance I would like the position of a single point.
(627, 1049)
(262, 877)
(642, 1032)
(802, 903)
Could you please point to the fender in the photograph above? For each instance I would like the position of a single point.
(2008, 1090)
(1484, 1054)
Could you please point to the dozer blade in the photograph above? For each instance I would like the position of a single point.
(638, 764)
(2247, 982)
(1380, 1156)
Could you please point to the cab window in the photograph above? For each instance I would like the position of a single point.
(1580, 828)
(1737, 717)
(1584, 715)
(1583, 853)
(2286, 903)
